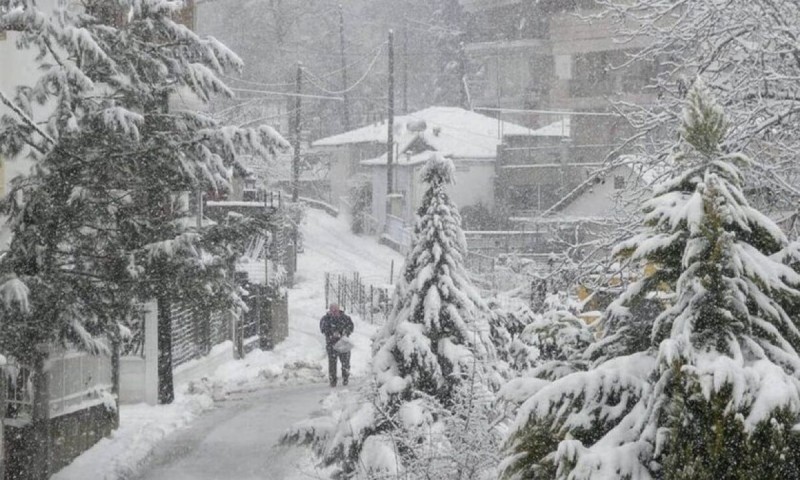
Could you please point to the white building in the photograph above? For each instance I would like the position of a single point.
(467, 137)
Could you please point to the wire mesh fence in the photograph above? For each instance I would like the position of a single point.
(371, 302)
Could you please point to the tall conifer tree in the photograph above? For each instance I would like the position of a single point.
(102, 218)
(436, 340)
(703, 384)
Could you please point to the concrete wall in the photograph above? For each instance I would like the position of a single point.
(474, 183)
(604, 197)
(70, 436)
(132, 380)
(345, 165)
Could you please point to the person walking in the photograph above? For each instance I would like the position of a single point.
(335, 325)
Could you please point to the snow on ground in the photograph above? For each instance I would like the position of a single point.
(300, 359)
(141, 428)
(329, 247)
(238, 441)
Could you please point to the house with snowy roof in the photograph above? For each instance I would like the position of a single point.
(469, 138)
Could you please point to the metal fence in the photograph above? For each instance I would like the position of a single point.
(76, 381)
(479, 263)
(19, 394)
(266, 322)
(194, 332)
(372, 303)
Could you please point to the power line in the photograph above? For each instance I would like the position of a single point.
(258, 84)
(357, 83)
(287, 94)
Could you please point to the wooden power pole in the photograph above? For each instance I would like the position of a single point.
(297, 124)
(405, 68)
(346, 106)
(390, 127)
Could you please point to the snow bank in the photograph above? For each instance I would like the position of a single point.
(141, 428)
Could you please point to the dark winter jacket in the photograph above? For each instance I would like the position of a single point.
(334, 327)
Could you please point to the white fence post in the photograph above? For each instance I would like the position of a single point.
(151, 353)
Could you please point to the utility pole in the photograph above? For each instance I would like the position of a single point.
(3, 393)
(405, 67)
(390, 129)
(465, 100)
(346, 107)
(297, 119)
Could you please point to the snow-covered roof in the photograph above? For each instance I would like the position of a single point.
(452, 131)
(403, 159)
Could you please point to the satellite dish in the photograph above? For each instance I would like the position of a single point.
(416, 126)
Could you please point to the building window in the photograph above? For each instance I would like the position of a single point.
(619, 182)
(602, 73)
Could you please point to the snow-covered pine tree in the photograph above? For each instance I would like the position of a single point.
(436, 338)
(705, 385)
(102, 217)
(550, 347)
(553, 337)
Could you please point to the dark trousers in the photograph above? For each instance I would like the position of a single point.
(333, 355)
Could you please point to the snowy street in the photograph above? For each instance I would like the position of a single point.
(261, 395)
(238, 439)
(385, 240)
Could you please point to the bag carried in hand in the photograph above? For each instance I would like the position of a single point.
(344, 345)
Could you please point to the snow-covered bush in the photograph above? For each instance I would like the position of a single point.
(436, 339)
(702, 382)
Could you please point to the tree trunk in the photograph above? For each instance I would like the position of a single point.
(115, 367)
(2, 417)
(40, 466)
(166, 390)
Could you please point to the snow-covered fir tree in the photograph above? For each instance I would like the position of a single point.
(102, 218)
(556, 335)
(696, 373)
(436, 340)
(550, 347)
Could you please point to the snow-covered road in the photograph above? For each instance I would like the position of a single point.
(238, 439)
(235, 439)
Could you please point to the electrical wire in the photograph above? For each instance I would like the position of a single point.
(364, 58)
(354, 85)
(258, 84)
(287, 94)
